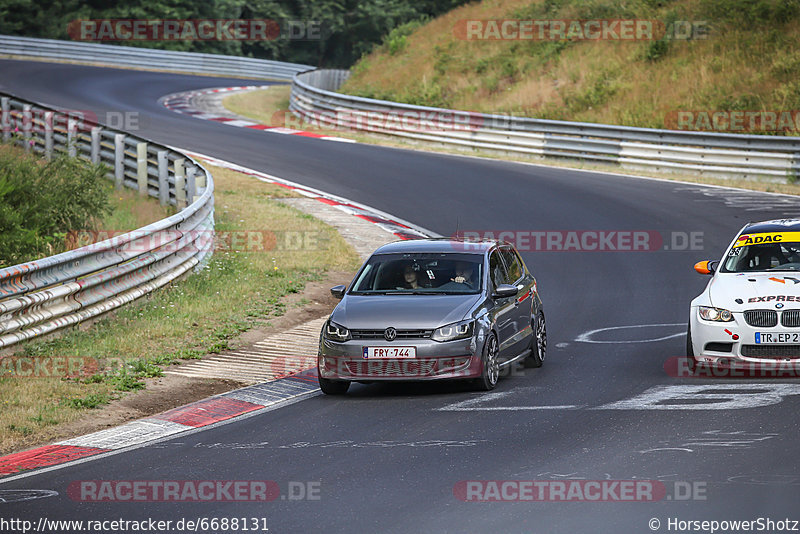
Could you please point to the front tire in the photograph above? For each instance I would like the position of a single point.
(491, 367)
(692, 361)
(538, 343)
(333, 387)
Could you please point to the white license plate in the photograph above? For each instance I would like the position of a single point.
(391, 353)
(778, 338)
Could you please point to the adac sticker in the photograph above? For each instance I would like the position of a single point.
(771, 237)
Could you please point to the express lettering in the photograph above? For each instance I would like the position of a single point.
(776, 298)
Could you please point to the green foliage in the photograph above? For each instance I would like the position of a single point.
(350, 28)
(41, 201)
(604, 87)
(752, 12)
(93, 400)
(656, 50)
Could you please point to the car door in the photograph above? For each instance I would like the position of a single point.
(521, 330)
(504, 310)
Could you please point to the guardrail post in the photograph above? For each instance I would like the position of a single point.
(163, 183)
(72, 137)
(5, 102)
(180, 182)
(191, 184)
(119, 160)
(27, 123)
(141, 168)
(96, 144)
(48, 134)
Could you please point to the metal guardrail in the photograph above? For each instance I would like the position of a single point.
(772, 158)
(149, 58)
(42, 296)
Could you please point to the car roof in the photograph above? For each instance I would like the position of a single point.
(433, 245)
(775, 225)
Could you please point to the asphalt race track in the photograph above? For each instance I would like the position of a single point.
(389, 458)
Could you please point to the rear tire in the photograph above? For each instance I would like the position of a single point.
(491, 367)
(333, 387)
(538, 343)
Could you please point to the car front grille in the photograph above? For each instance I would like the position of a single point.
(790, 318)
(771, 351)
(392, 368)
(401, 334)
(761, 318)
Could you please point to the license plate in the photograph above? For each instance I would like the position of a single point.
(778, 338)
(392, 353)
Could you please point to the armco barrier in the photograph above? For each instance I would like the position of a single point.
(149, 58)
(772, 158)
(41, 296)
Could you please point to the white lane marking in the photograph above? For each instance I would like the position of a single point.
(709, 397)
(474, 405)
(586, 337)
(7, 496)
(660, 449)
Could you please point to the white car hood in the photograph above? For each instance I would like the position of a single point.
(747, 291)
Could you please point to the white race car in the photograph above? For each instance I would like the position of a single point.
(749, 313)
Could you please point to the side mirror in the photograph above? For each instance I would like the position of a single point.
(705, 267)
(338, 291)
(504, 291)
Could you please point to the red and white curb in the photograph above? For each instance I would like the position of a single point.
(182, 103)
(216, 409)
(400, 228)
(192, 416)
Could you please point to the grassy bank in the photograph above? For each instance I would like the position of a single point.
(242, 286)
(749, 61)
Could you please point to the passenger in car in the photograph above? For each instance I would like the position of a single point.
(410, 277)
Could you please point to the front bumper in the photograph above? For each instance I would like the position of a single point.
(734, 344)
(434, 360)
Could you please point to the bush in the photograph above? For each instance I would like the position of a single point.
(41, 201)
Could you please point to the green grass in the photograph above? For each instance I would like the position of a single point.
(200, 314)
(749, 61)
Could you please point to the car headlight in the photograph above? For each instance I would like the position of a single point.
(336, 332)
(454, 331)
(715, 314)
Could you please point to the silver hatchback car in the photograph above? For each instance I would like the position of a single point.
(433, 309)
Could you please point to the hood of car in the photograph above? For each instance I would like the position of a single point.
(746, 291)
(411, 312)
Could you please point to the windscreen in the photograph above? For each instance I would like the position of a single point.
(764, 252)
(413, 274)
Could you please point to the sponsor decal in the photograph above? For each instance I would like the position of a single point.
(775, 298)
(770, 237)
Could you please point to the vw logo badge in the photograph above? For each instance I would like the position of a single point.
(390, 333)
(779, 305)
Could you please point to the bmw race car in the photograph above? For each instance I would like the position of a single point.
(749, 313)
